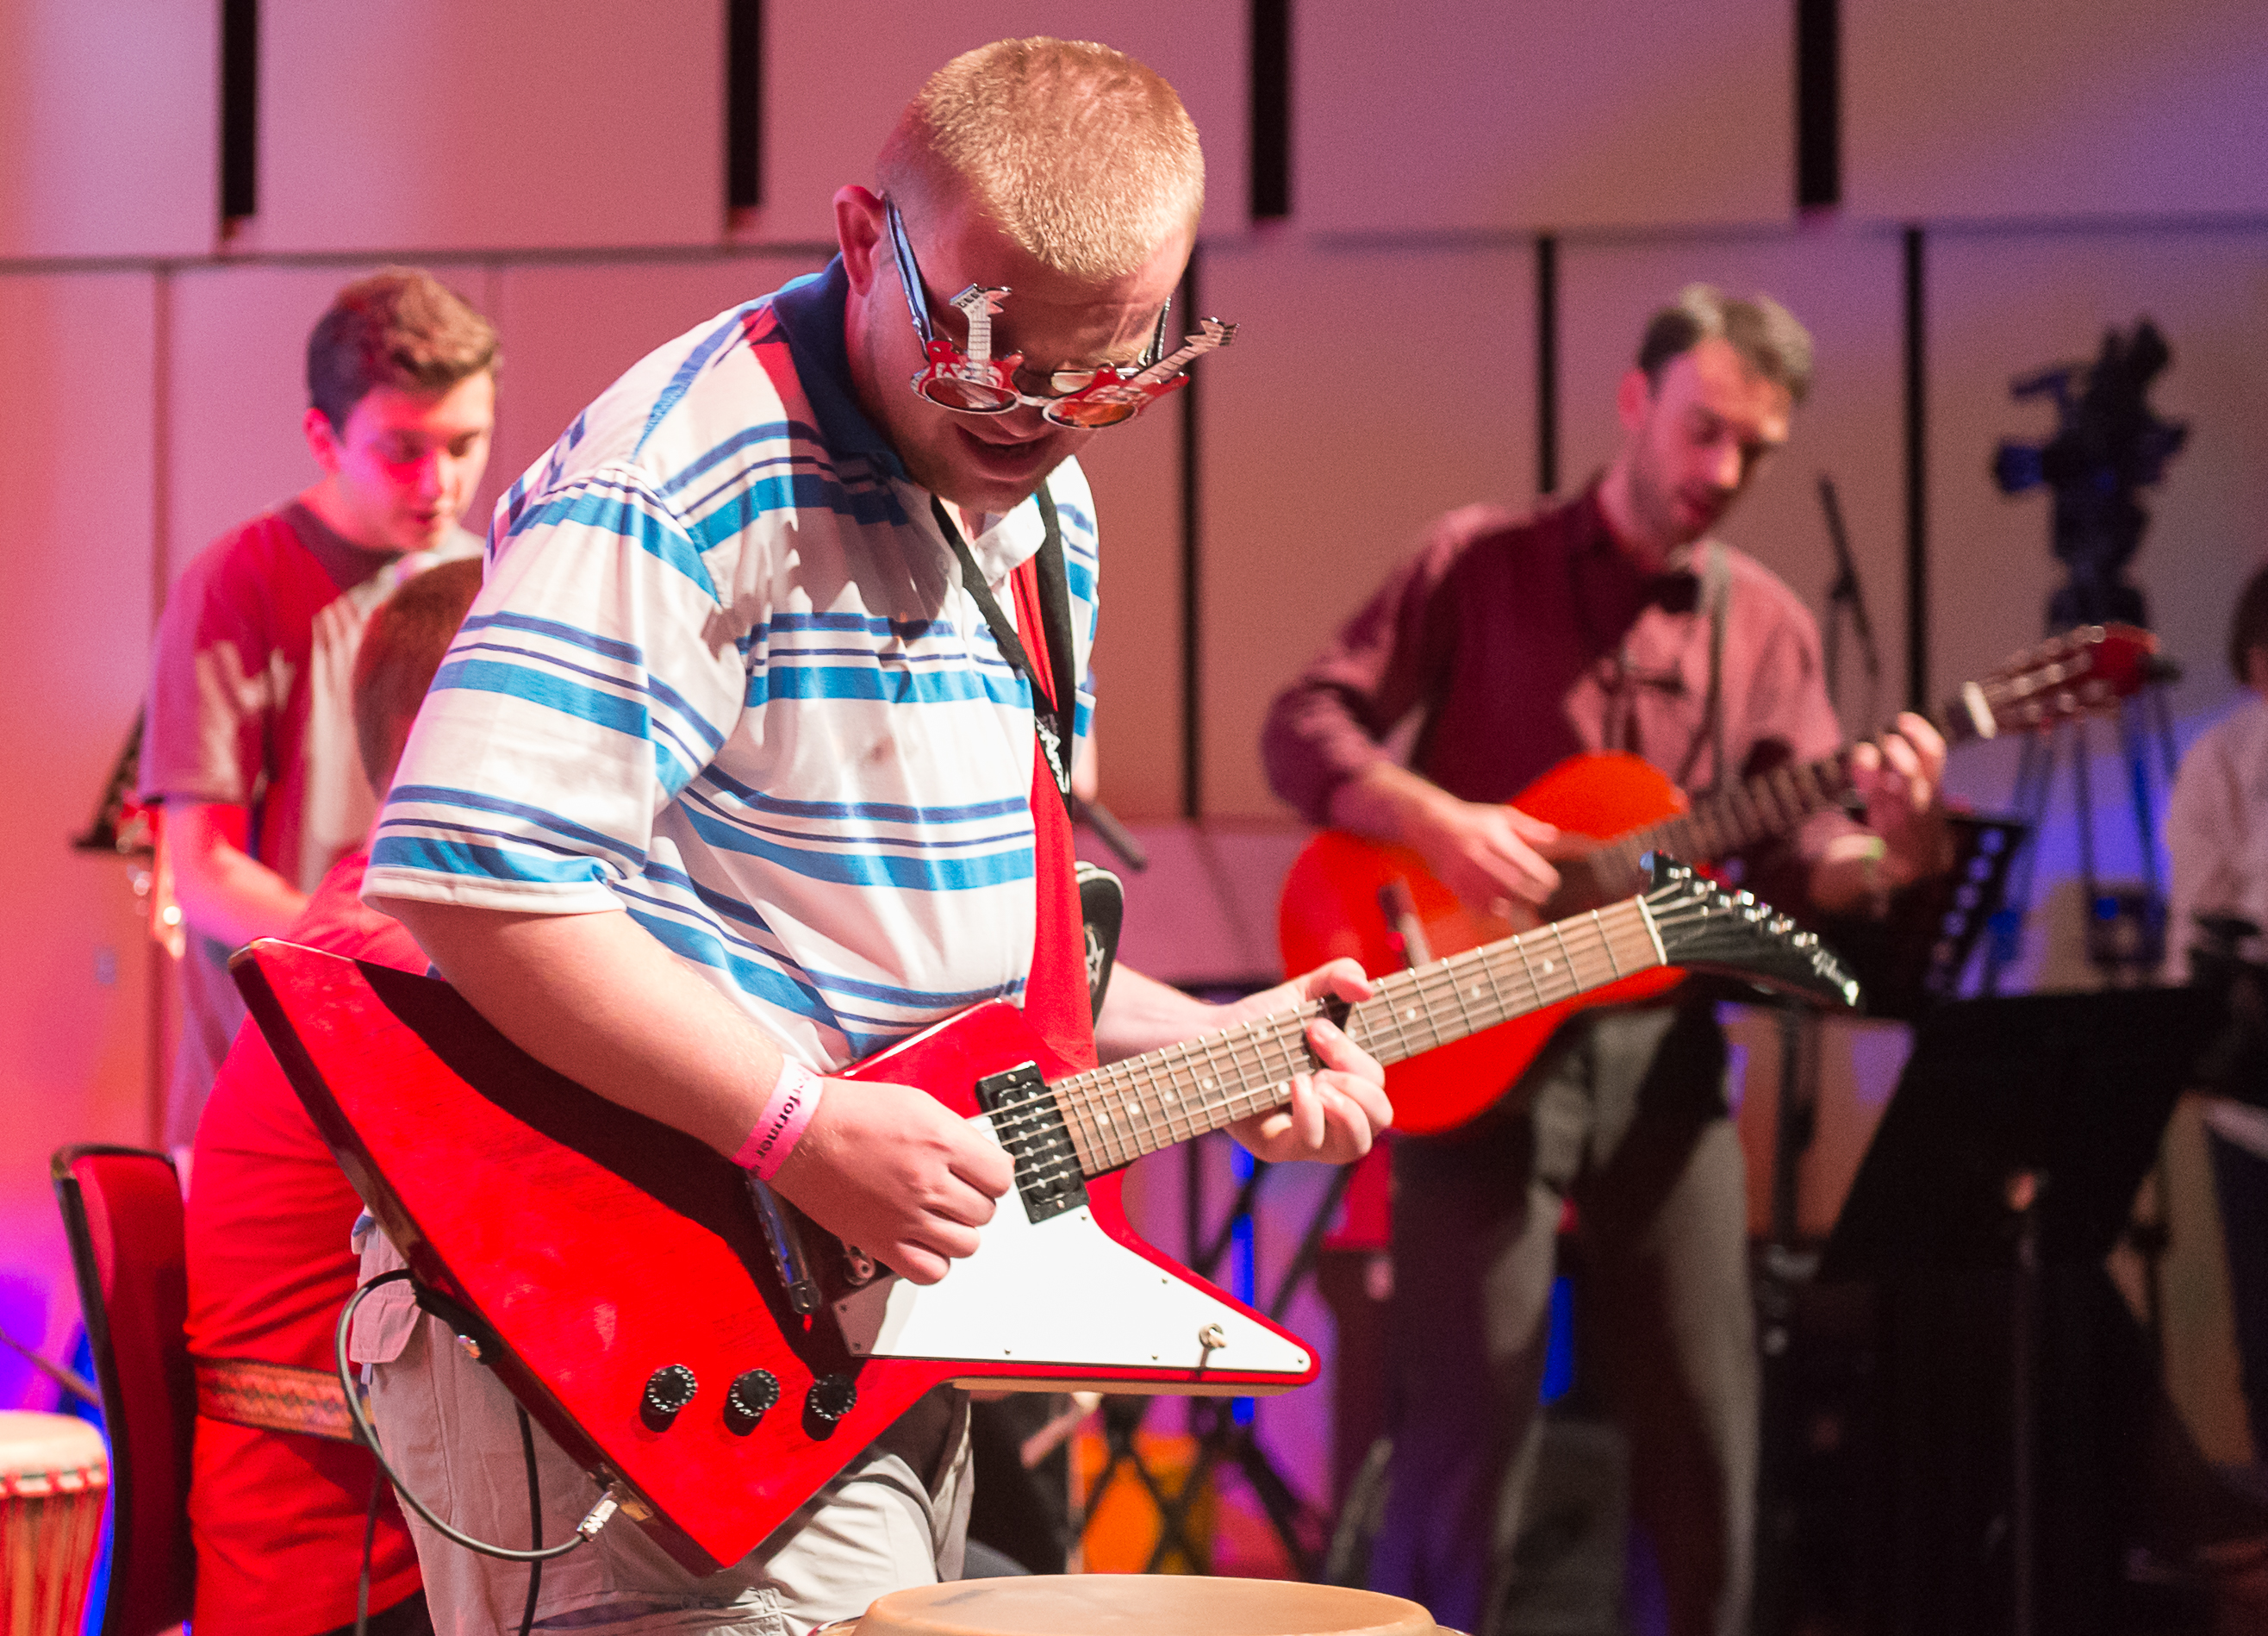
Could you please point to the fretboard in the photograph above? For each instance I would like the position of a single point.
(1776, 803)
(1118, 1113)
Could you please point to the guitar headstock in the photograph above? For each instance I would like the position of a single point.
(1704, 927)
(2072, 674)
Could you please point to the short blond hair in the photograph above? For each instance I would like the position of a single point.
(1080, 154)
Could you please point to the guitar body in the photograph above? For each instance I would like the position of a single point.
(1330, 907)
(601, 1245)
(1331, 904)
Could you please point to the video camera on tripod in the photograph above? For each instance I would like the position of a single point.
(2108, 444)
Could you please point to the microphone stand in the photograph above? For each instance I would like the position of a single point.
(1844, 595)
(1787, 1263)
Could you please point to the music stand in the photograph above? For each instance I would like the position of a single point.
(2075, 1089)
(2017, 1139)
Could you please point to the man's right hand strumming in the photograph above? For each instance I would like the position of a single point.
(1484, 851)
(889, 1169)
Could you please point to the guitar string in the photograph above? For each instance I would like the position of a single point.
(1088, 1100)
(2038, 676)
(1115, 1144)
(1119, 1143)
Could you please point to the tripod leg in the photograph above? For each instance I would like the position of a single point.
(2035, 776)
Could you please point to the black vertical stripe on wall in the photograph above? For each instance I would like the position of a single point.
(744, 104)
(1271, 109)
(239, 109)
(1192, 564)
(1818, 103)
(1547, 364)
(1916, 387)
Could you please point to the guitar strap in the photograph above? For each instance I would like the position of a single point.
(1053, 699)
(1060, 1000)
(1716, 593)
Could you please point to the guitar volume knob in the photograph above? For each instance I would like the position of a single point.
(669, 1389)
(752, 1393)
(830, 1398)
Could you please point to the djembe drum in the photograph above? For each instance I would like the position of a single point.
(55, 1475)
(1136, 1604)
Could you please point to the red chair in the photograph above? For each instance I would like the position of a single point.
(123, 1211)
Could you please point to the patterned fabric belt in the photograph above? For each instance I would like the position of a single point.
(274, 1397)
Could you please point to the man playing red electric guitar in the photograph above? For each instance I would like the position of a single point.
(750, 763)
(1612, 622)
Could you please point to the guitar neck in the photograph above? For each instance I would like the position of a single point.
(1118, 1113)
(1776, 803)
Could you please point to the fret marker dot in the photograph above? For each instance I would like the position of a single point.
(1546, 966)
(1205, 1084)
(1132, 1107)
(1411, 1014)
(1100, 1118)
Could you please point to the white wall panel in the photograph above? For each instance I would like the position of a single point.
(1846, 289)
(1135, 473)
(427, 125)
(1541, 115)
(828, 106)
(75, 624)
(109, 127)
(2000, 306)
(1370, 391)
(568, 332)
(2030, 108)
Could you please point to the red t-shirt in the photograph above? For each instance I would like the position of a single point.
(277, 1517)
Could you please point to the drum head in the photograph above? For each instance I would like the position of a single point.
(1141, 1604)
(50, 1452)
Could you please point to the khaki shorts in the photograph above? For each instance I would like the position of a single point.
(896, 1515)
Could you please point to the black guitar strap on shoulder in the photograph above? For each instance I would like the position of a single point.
(1052, 718)
(1102, 898)
(1717, 595)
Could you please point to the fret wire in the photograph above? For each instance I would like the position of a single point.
(1502, 1007)
(1783, 784)
(1180, 1093)
(1422, 1002)
(1120, 1125)
(1606, 944)
(1479, 965)
(1098, 1121)
(1456, 984)
(1156, 1122)
(1131, 1106)
(1739, 834)
(1764, 796)
(1560, 937)
(1391, 989)
(1528, 970)
(1815, 787)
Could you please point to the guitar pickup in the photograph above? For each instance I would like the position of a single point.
(1031, 1127)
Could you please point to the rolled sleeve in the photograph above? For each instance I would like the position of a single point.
(211, 690)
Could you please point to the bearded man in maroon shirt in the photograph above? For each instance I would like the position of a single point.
(1614, 621)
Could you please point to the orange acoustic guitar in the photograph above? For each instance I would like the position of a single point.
(1379, 902)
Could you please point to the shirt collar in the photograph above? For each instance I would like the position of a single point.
(1676, 589)
(810, 313)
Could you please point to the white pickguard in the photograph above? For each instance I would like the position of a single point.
(1061, 1293)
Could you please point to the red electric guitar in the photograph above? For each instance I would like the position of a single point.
(712, 1370)
(1345, 894)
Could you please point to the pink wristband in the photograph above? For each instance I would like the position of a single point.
(794, 1099)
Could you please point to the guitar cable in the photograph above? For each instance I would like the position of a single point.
(586, 1531)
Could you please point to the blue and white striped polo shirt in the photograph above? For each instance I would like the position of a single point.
(722, 674)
